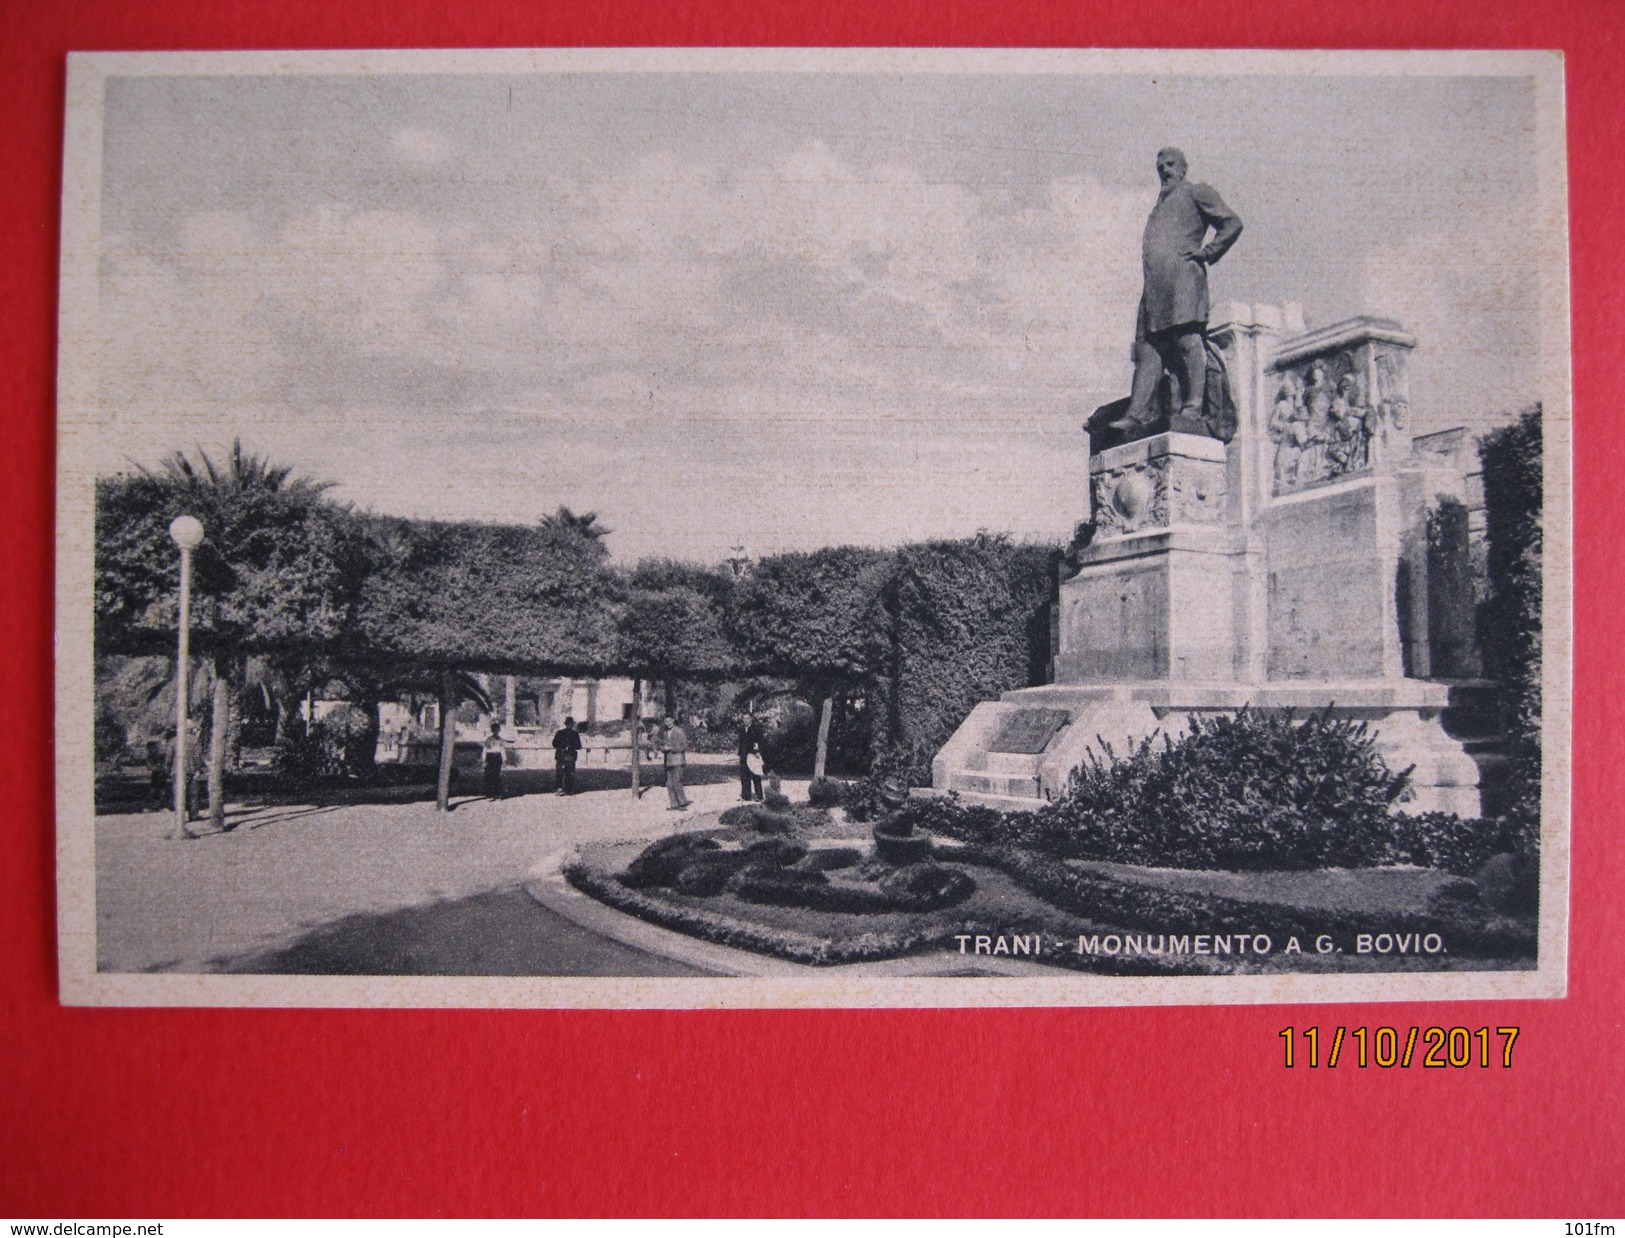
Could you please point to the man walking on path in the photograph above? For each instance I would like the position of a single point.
(674, 744)
(493, 762)
(566, 746)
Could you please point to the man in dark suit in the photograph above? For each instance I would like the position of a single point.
(1172, 325)
(566, 747)
(748, 737)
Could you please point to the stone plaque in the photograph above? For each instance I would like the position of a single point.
(1029, 730)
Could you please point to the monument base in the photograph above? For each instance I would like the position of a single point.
(1288, 569)
(1405, 716)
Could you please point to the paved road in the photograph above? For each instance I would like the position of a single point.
(370, 888)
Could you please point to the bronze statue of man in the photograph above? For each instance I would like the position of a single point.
(1170, 333)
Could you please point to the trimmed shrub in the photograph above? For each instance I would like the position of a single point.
(818, 951)
(927, 887)
(708, 874)
(778, 851)
(1248, 791)
(862, 800)
(109, 736)
(962, 622)
(884, 791)
(948, 815)
(756, 817)
(767, 819)
(697, 864)
(1242, 791)
(660, 862)
(1469, 930)
(1457, 844)
(1454, 585)
(768, 883)
(831, 859)
(825, 793)
(1455, 895)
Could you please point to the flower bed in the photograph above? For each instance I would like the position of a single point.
(809, 902)
(1470, 931)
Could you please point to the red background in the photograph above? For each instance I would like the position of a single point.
(178, 1113)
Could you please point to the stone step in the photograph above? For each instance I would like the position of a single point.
(1022, 764)
(1004, 803)
(1009, 785)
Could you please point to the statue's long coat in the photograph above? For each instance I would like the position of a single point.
(1176, 286)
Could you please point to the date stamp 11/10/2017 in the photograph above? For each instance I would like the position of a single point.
(1434, 1048)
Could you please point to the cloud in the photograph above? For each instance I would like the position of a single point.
(807, 273)
(364, 276)
(1465, 295)
(829, 275)
(801, 334)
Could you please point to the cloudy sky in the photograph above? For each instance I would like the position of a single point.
(770, 310)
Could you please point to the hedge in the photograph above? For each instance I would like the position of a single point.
(903, 642)
(1510, 620)
(726, 930)
(963, 622)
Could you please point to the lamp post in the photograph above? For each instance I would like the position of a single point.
(187, 532)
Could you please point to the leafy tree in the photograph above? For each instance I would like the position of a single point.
(671, 625)
(812, 616)
(278, 571)
(442, 599)
(965, 621)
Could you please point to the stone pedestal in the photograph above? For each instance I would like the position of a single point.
(1404, 717)
(1284, 571)
(1155, 594)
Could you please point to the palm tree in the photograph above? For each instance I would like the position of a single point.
(242, 471)
(585, 526)
(221, 495)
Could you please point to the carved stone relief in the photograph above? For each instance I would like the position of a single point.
(1326, 423)
(1156, 493)
(1393, 403)
(1131, 498)
(1321, 422)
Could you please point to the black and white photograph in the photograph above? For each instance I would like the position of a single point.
(813, 528)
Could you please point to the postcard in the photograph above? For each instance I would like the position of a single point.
(720, 528)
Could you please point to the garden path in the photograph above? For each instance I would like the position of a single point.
(383, 887)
